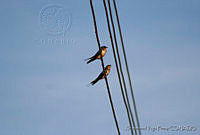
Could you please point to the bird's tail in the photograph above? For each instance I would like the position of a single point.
(95, 81)
(87, 59)
(90, 60)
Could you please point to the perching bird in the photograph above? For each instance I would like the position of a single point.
(102, 75)
(98, 55)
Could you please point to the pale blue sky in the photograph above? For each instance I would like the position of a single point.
(43, 86)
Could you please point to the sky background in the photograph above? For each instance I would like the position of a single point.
(43, 85)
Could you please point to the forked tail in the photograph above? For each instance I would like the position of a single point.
(90, 60)
(95, 81)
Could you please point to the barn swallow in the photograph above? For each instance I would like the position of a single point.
(102, 75)
(98, 55)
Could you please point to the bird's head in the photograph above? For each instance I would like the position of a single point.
(104, 47)
(108, 67)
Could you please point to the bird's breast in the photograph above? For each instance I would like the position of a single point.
(107, 71)
(103, 52)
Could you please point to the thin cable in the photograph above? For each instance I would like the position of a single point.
(121, 70)
(102, 63)
(117, 67)
(127, 69)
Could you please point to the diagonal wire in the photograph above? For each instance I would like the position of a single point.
(121, 70)
(127, 69)
(118, 73)
(102, 63)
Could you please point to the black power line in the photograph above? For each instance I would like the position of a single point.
(127, 69)
(118, 73)
(102, 63)
(121, 70)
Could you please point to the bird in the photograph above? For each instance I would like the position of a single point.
(102, 75)
(98, 55)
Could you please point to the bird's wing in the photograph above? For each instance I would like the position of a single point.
(97, 54)
(101, 74)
